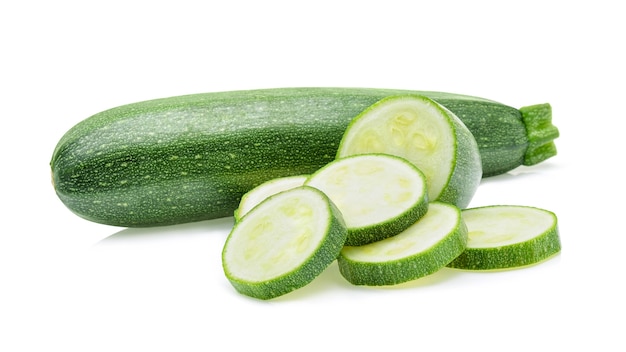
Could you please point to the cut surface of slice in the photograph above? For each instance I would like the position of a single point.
(255, 196)
(378, 195)
(422, 249)
(508, 236)
(426, 134)
(283, 243)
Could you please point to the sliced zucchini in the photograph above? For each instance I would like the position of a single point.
(283, 243)
(508, 236)
(425, 247)
(379, 195)
(425, 133)
(256, 195)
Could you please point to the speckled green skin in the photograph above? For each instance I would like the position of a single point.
(498, 130)
(190, 158)
(517, 255)
(411, 267)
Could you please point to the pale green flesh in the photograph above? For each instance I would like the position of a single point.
(265, 190)
(408, 127)
(439, 222)
(277, 236)
(370, 189)
(499, 226)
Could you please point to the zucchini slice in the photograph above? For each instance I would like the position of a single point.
(379, 195)
(508, 236)
(283, 243)
(425, 133)
(256, 195)
(425, 247)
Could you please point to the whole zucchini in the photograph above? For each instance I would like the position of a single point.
(190, 158)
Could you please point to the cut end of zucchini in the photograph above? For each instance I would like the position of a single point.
(425, 247)
(378, 195)
(412, 127)
(508, 236)
(283, 243)
(426, 134)
(541, 133)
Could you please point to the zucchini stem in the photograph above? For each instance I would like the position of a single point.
(540, 132)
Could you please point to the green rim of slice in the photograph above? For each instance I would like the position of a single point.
(378, 195)
(283, 243)
(422, 249)
(508, 236)
(425, 133)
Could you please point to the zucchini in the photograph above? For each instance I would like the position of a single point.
(191, 158)
(508, 236)
(425, 133)
(265, 190)
(422, 249)
(378, 195)
(283, 243)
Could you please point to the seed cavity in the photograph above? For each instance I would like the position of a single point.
(400, 248)
(404, 119)
(264, 226)
(398, 136)
(370, 142)
(302, 240)
(339, 176)
(399, 198)
(250, 252)
(367, 169)
(404, 183)
(423, 142)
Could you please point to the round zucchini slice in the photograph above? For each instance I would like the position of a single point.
(508, 236)
(283, 243)
(379, 195)
(422, 249)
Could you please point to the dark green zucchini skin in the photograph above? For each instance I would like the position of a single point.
(191, 158)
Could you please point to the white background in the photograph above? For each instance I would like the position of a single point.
(67, 284)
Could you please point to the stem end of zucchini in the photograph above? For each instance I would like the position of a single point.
(541, 133)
